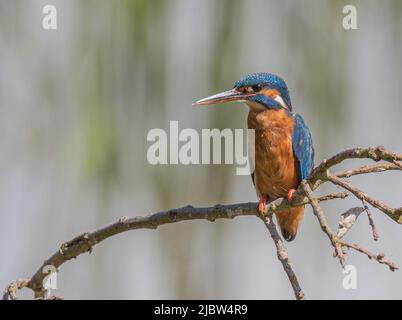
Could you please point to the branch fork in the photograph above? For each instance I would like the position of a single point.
(386, 161)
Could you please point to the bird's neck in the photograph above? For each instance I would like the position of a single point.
(269, 119)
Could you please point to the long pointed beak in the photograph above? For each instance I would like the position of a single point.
(226, 96)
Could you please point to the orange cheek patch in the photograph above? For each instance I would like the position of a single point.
(272, 93)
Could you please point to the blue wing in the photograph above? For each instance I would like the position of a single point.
(303, 147)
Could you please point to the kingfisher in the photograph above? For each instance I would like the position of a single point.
(283, 153)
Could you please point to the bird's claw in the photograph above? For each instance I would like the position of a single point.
(290, 195)
(261, 205)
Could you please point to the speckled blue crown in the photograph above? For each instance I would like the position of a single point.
(268, 79)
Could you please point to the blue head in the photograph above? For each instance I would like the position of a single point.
(264, 90)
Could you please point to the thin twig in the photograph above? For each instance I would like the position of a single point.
(304, 195)
(374, 153)
(372, 168)
(374, 231)
(324, 223)
(394, 214)
(398, 164)
(11, 291)
(377, 257)
(283, 257)
(336, 242)
(85, 242)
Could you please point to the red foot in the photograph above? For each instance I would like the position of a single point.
(261, 205)
(290, 195)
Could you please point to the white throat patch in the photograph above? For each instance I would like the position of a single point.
(279, 99)
(255, 106)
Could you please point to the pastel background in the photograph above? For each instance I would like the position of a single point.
(76, 105)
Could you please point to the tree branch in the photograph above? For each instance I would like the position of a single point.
(304, 195)
(373, 168)
(374, 153)
(283, 256)
(86, 241)
(324, 223)
(394, 214)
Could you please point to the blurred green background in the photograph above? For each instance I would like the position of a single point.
(76, 105)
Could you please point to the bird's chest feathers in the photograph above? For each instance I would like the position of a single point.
(274, 159)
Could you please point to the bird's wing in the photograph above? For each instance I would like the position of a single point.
(303, 148)
(251, 152)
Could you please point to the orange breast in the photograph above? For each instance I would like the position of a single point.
(275, 169)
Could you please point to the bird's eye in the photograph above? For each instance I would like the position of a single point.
(251, 89)
(257, 87)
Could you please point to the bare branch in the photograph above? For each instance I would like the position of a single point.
(373, 168)
(283, 257)
(378, 257)
(11, 291)
(371, 221)
(85, 242)
(324, 223)
(338, 243)
(398, 164)
(373, 153)
(304, 195)
(394, 214)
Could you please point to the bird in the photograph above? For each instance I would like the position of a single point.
(283, 150)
